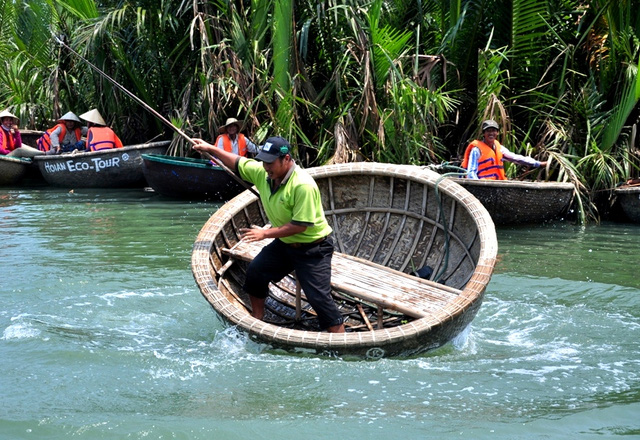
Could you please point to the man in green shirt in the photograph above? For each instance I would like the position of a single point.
(302, 242)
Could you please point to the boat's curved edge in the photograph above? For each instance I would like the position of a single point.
(628, 190)
(180, 161)
(110, 151)
(522, 184)
(16, 160)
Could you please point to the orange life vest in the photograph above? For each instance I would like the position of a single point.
(9, 141)
(102, 138)
(490, 163)
(228, 146)
(44, 142)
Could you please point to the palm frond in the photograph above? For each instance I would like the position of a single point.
(387, 43)
(282, 44)
(626, 101)
(81, 9)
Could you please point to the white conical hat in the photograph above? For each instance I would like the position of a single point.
(230, 121)
(70, 116)
(93, 116)
(7, 114)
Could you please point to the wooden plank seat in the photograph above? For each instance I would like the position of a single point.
(373, 283)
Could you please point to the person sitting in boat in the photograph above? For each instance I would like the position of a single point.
(64, 137)
(230, 139)
(303, 243)
(485, 159)
(11, 139)
(99, 136)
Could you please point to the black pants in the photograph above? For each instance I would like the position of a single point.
(312, 263)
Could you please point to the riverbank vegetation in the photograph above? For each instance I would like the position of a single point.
(390, 81)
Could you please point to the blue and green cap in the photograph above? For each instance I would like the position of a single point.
(273, 148)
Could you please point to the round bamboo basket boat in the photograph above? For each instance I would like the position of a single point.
(629, 199)
(520, 202)
(390, 222)
(30, 137)
(13, 169)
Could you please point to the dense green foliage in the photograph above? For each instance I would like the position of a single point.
(391, 81)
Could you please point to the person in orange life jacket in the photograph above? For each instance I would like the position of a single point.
(64, 137)
(485, 159)
(99, 136)
(10, 138)
(230, 139)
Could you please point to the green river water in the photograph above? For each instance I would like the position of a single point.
(105, 335)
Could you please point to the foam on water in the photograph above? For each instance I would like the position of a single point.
(20, 331)
(113, 339)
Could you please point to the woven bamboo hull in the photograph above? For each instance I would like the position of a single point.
(187, 178)
(514, 202)
(385, 214)
(629, 199)
(12, 170)
(113, 168)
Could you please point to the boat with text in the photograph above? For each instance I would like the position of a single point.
(413, 256)
(112, 168)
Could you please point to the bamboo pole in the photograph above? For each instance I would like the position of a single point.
(298, 299)
(156, 114)
(364, 317)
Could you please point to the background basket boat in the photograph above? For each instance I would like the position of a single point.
(26, 172)
(113, 168)
(30, 137)
(13, 170)
(513, 201)
(629, 199)
(388, 222)
(188, 178)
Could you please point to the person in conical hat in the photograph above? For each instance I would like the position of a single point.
(484, 159)
(10, 138)
(13, 119)
(230, 139)
(70, 117)
(94, 117)
(99, 136)
(64, 137)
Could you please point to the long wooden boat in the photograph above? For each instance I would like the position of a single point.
(390, 224)
(113, 168)
(188, 178)
(514, 201)
(13, 169)
(629, 199)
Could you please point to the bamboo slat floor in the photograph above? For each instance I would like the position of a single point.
(374, 283)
